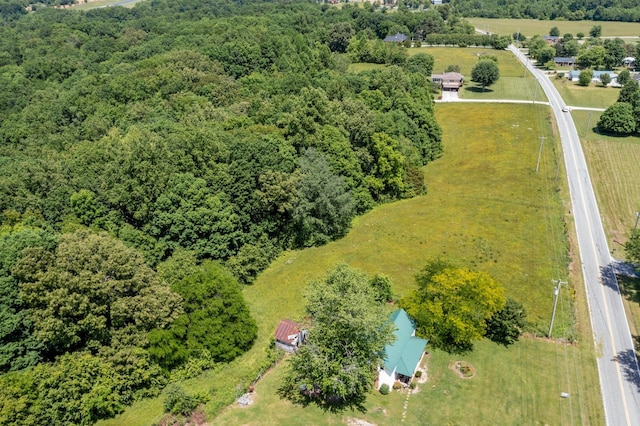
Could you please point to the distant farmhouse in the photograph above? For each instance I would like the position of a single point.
(403, 356)
(574, 75)
(564, 62)
(551, 39)
(398, 38)
(449, 81)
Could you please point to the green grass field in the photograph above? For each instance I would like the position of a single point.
(530, 27)
(506, 88)
(613, 165)
(467, 57)
(590, 96)
(486, 208)
(101, 3)
(516, 385)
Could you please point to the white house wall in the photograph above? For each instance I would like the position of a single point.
(386, 377)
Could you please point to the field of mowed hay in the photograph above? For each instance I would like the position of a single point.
(591, 96)
(530, 27)
(613, 165)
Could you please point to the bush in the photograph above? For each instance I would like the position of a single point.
(384, 389)
(178, 401)
(397, 385)
(418, 374)
(412, 385)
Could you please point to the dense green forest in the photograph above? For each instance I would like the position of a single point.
(153, 158)
(573, 10)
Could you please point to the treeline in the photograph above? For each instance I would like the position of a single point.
(147, 152)
(463, 40)
(573, 10)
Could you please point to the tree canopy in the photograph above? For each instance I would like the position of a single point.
(451, 306)
(485, 72)
(215, 319)
(349, 328)
(618, 118)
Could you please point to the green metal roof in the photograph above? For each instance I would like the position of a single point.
(404, 354)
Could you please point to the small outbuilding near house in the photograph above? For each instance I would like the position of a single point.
(289, 335)
(402, 357)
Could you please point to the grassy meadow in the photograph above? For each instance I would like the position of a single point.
(590, 96)
(94, 4)
(613, 165)
(530, 27)
(486, 208)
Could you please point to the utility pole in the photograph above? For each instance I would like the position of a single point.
(556, 290)
(637, 218)
(542, 138)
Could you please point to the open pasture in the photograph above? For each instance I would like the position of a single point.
(590, 96)
(530, 27)
(613, 165)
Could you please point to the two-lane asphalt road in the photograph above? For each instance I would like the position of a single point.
(617, 363)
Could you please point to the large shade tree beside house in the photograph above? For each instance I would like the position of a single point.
(485, 72)
(349, 330)
(451, 305)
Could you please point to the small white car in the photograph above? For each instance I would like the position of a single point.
(565, 109)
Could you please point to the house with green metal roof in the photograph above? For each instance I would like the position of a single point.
(402, 357)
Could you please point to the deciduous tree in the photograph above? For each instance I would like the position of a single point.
(215, 318)
(451, 306)
(485, 72)
(349, 329)
(89, 287)
(618, 118)
(506, 325)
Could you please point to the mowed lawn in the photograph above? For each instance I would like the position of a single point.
(519, 385)
(530, 27)
(590, 96)
(486, 208)
(514, 82)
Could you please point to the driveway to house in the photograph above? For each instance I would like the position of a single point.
(617, 362)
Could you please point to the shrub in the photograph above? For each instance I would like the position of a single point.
(412, 385)
(397, 385)
(177, 401)
(418, 374)
(384, 389)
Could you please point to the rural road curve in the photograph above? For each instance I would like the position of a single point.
(617, 362)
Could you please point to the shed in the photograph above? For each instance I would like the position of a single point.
(289, 335)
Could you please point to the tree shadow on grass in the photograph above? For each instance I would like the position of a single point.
(630, 288)
(478, 89)
(300, 395)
